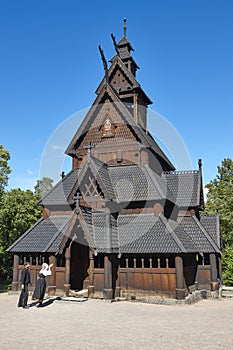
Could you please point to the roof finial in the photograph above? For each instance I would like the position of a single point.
(115, 44)
(62, 174)
(125, 27)
(104, 62)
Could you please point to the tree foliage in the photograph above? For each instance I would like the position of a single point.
(18, 211)
(220, 194)
(5, 169)
(17, 214)
(43, 186)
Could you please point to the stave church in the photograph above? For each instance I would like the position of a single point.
(123, 222)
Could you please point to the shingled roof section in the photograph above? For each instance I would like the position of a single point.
(103, 173)
(146, 233)
(59, 193)
(185, 187)
(85, 219)
(211, 224)
(197, 234)
(44, 236)
(182, 236)
(100, 229)
(135, 183)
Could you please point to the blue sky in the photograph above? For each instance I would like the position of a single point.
(50, 67)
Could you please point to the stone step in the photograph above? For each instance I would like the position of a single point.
(226, 292)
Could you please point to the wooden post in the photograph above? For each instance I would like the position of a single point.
(15, 273)
(67, 271)
(135, 97)
(220, 267)
(118, 291)
(108, 291)
(180, 291)
(52, 278)
(213, 273)
(150, 260)
(91, 288)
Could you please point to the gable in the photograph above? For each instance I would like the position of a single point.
(118, 67)
(120, 75)
(119, 80)
(89, 186)
(106, 106)
(128, 131)
(96, 134)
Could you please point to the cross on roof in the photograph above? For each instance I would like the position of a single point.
(89, 147)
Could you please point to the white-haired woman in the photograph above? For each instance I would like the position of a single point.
(40, 288)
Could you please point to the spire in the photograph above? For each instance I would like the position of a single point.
(124, 49)
(199, 163)
(125, 28)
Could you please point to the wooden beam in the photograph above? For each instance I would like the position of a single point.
(108, 291)
(180, 290)
(15, 273)
(213, 273)
(52, 278)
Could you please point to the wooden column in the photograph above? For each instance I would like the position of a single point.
(91, 288)
(52, 278)
(108, 291)
(180, 290)
(213, 273)
(118, 278)
(15, 273)
(67, 271)
(220, 268)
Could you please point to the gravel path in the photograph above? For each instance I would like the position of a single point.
(96, 324)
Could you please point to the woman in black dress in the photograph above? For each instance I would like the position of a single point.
(40, 288)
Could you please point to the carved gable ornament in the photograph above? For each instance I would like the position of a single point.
(108, 129)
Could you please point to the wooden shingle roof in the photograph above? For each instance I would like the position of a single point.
(211, 224)
(59, 193)
(45, 236)
(185, 186)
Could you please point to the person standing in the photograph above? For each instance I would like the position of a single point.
(40, 288)
(25, 280)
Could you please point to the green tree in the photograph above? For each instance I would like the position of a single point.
(5, 170)
(43, 186)
(18, 213)
(220, 193)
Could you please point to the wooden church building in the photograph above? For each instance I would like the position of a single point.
(123, 221)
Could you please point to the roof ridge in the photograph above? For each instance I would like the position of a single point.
(174, 236)
(99, 177)
(55, 187)
(84, 225)
(174, 172)
(154, 180)
(59, 229)
(130, 215)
